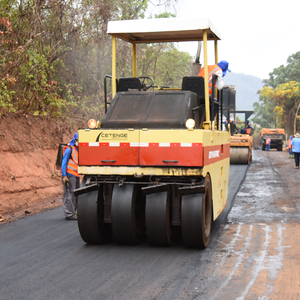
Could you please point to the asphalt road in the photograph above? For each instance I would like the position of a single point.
(43, 257)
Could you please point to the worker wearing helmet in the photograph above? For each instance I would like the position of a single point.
(220, 70)
(248, 127)
(70, 178)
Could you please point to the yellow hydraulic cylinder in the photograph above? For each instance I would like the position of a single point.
(114, 66)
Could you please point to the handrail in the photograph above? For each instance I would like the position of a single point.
(105, 91)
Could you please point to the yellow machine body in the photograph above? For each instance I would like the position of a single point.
(146, 170)
(120, 152)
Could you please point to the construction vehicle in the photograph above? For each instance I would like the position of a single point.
(158, 163)
(241, 144)
(277, 137)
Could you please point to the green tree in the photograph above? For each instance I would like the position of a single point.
(281, 105)
(279, 99)
(286, 98)
(263, 114)
(284, 74)
(164, 63)
(30, 55)
(54, 54)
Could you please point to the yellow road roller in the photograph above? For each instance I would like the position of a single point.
(241, 144)
(241, 149)
(157, 165)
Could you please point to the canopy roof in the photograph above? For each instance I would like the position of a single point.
(162, 30)
(271, 131)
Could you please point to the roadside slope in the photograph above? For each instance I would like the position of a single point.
(28, 149)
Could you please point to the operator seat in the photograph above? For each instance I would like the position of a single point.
(129, 83)
(194, 84)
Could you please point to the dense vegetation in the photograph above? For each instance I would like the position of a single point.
(54, 55)
(279, 104)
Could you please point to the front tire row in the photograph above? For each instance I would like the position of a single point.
(130, 216)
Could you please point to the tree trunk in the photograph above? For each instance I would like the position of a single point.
(295, 120)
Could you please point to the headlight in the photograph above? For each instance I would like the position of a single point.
(190, 123)
(92, 123)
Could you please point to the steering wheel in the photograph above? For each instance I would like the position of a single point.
(143, 84)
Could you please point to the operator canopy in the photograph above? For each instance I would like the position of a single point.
(162, 30)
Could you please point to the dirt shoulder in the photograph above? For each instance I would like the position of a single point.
(28, 149)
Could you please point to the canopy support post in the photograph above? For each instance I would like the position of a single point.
(114, 66)
(207, 123)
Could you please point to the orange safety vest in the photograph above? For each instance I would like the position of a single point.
(268, 141)
(211, 70)
(72, 166)
(290, 144)
(248, 130)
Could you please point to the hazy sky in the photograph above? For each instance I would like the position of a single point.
(256, 36)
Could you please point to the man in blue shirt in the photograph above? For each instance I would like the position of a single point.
(296, 149)
(70, 178)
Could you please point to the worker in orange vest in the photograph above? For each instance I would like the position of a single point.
(220, 70)
(290, 147)
(248, 127)
(70, 178)
(268, 143)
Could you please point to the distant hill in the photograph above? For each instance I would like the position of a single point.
(246, 89)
